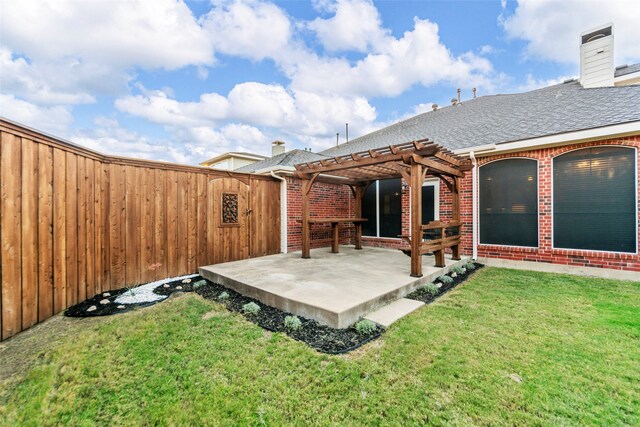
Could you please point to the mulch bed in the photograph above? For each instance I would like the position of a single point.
(80, 309)
(320, 337)
(112, 307)
(422, 295)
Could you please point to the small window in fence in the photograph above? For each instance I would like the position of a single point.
(229, 209)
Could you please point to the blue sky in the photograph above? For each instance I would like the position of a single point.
(182, 82)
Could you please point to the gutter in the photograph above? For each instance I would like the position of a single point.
(474, 206)
(283, 211)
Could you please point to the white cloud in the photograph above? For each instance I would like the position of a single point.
(149, 34)
(158, 107)
(250, 29)
(260, 104)
(418, 57)
(54, 119)
(532, 83)
(250, 111)
(356, 25)
(552, 28)
(67, 52)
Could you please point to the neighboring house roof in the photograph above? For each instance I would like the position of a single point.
(289, 158)
(626, 69)
(237, 154)
(495, 119)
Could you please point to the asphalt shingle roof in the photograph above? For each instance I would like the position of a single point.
(289, 158)
(496, 119)
(626, 69)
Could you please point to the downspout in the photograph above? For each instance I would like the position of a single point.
(283, 211)
(474, 206)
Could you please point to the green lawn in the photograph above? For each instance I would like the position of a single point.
(575, 342)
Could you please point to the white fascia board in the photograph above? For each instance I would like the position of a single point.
(627, 79)
(605, 132)
(276, 169)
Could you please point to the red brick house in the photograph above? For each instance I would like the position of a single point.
(555, 175)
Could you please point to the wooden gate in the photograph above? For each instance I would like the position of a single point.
(229, 237)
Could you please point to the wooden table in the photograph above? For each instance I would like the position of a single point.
(335, 237)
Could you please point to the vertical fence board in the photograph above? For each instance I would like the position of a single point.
(146, 229)
(133, 229)
(97, 221)
(181, 223)
(59, 231)
(201, 219)
(160, 224)
(10, 207)
(45, 232)
(71, 216)
(117, 224)
(29, 251)
(82, 229)
(192, 211)
(105, 252)
(172, 213)
(91, 231)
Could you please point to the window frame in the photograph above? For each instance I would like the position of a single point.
(596, 251)
(377, 236)
(435, 183)
(537, 247)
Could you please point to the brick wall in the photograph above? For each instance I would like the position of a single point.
(545, 252)
(326, 200)
(332, 200)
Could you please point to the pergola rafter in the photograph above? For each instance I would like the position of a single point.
(412, 161)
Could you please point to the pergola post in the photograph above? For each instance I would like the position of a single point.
(416, 218)
(306, 238)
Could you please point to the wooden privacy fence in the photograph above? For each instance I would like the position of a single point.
(75, 223)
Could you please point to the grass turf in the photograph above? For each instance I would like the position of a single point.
(575, 342)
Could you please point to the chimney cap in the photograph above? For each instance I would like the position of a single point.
(277, 142)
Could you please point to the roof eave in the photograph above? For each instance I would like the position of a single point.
(585, 135)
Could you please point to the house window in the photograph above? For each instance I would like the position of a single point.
(382, 206)
(509, 203)
(594, 199)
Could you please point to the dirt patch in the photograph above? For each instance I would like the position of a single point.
(19, 353)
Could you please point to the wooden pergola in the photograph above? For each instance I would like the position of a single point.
(412, 161)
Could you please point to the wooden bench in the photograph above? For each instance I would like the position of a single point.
(335, 235)
(437, 245)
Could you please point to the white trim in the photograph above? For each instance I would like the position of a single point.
(284, 225)
(595, 251)
(435, 183)
(605, 132)
(277, 168)
(231, 155)
(537, 203)
(377, 208)
(474, 207)
(627, 79)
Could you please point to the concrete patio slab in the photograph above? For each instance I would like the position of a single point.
(394, 311)
(334, 289)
